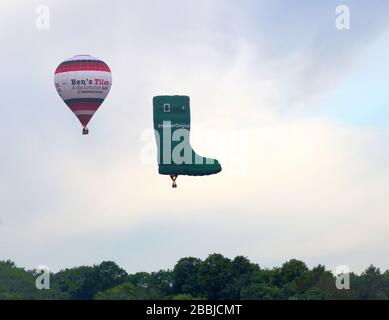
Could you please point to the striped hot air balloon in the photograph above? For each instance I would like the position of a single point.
(83, 82)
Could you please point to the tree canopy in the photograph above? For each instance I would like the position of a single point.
(214, 278)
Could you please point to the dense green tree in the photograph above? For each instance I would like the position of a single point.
(162, 281)
(369, 282)
(243, 274)
(317, 280)
(125, 291)
(215, 273)
(314, 294)
(76, 282)
(109, 274)
(86, 282)
(184, 296)
(128, 291)
(185, 276)
(217, 277)
(16, 283)
(158, 283)
(260, 291)
(19, 284)
(140, 279)
(292, 271)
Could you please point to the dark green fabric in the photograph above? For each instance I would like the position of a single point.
(174, 112)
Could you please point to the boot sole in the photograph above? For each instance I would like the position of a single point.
(189, 170)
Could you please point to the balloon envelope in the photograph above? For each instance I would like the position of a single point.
(83, 82)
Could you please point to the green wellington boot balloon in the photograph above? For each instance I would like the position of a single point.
(172, 128)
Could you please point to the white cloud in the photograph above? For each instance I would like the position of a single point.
(313, 188)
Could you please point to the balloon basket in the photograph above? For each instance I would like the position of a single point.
(173, 177)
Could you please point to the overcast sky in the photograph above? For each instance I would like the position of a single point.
(296, 111)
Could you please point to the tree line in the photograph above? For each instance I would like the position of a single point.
(215, 278)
